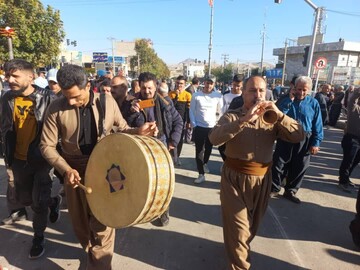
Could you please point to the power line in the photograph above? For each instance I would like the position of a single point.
(103, 2)
(343, 12)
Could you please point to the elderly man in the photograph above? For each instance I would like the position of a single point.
(291, 160)
(119, 91)
(80, 118)
(246, 174)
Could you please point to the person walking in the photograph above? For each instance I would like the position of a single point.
(22, 115)
(204, 106)
(80, 119)
(291, 160)
(246, 175)
(350, 143)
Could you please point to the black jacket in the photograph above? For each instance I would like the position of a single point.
(41, 98)
(171, 120)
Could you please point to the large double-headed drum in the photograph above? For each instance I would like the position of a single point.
(132, 179)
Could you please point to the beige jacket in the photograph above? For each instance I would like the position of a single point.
(62, 122)
(253, 141)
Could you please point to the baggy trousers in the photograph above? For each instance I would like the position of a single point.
(33, 187)
(95, 238)
(244, 199)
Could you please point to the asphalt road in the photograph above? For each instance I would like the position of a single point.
(312, 235)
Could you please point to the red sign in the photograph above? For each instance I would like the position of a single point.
(321, 63)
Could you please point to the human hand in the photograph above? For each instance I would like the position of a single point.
(72, 178)
(148, 129)
(171, 146)
(314, 150)
(135, 106)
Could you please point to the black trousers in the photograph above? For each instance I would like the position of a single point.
(334, 114)
(290, 162)
(203, 147)
(33, 187)
(351, 157)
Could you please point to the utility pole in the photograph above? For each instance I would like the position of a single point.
(211, 3)
(315, 30)
(284, 64)
(226, 58)
(112, 51)
(318, 12)
(263, 33)
(138, 65)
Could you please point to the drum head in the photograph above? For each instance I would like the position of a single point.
(118, 173)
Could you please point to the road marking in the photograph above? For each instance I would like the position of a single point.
(286, 238)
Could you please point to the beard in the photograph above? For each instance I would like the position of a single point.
(18, 92)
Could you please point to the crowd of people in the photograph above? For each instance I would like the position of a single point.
(55, 123)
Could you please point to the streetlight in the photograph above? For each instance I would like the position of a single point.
(316, 24)
(9, 33)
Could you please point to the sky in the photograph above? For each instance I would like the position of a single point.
(180, 29)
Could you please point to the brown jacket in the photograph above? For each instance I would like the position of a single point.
(253, 142)
(62, 122)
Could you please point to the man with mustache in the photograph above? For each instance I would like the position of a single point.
(80, 118)
(22, 114)
(246, 174)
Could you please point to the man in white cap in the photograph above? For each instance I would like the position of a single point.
(52, 81)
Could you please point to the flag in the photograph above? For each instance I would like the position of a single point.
(211, 3)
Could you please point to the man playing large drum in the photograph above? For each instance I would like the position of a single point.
(80, 118)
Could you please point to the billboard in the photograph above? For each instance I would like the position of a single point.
(275, 73)
(117, 59)
(99, 57)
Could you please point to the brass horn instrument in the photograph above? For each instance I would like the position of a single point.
(269, 117)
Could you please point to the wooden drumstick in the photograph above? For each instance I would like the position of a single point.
(88, 190)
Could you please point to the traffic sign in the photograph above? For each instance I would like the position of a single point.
(321, 63)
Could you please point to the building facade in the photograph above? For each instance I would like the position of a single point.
(342, 67)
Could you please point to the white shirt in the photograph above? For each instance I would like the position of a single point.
(203, 108)
(227, 98)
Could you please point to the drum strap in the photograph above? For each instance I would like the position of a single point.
(102, 111)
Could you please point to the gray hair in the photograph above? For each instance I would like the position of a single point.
(304, 79)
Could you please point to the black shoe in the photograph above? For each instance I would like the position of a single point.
(345, 187)
(16, 215)
(165, 218)
(290, 195)
(55, 209)
(37, 249)
(351, 184)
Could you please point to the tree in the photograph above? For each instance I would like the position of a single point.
(224, 74)
(148, 60)
(39, 31)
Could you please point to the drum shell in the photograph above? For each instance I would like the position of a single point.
(148, 185)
